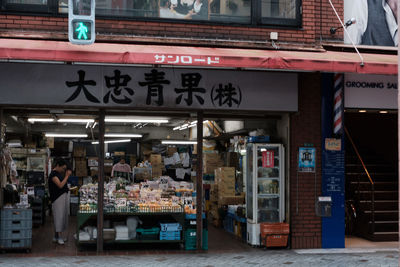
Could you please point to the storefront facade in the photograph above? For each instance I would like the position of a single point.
(132, 68)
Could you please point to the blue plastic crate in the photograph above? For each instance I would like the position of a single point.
(193, 216)
(169, 227)
(15, 224)
(170, 235)
(191, 240)
(15, 214)
(258, 139)
(16, 243)
(16, 234)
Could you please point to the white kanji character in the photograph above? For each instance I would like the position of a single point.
(210, 61)
(186, 59)
(160, 58)
(173, 62)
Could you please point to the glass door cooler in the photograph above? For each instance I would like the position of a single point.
(265, 183)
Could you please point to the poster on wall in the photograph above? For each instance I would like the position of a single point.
(371, 22)
(306, 159)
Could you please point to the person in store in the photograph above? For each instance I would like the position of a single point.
(121, 169)
(58, 190)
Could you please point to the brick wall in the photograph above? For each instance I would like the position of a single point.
(308, 35)
(305, 128)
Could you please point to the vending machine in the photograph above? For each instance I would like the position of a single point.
(265, 186)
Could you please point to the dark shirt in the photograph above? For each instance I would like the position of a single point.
(54, 190)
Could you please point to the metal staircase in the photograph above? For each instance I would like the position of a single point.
(372, 186)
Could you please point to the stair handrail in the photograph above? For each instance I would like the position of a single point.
(369, 178)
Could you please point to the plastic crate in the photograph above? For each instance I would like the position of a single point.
(148, 234)
(191, 240)
(16, 214)
(274, 228)
(169, 227)
(229, 224)
(274, 240)
(16, 224)
(170, 235)
(193, 216)
(16, 243)
(16, 234)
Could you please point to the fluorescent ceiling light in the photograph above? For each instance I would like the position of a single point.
(65, 135)
(383, 111)
(32, 120)
(129, 120)
(112, 141)
(122, 135)
(177, 142)
(362, 111)
(76, 120)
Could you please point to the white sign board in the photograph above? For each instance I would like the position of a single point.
(133, 87)
(370, 91)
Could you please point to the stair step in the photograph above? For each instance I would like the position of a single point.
(385, 226)
(382, 205)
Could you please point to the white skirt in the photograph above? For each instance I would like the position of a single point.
(60, 213)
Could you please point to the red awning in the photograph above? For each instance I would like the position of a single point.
(325, 61)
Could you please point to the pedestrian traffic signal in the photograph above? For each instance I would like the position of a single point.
(81, 21)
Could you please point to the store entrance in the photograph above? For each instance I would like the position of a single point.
(371, 204)
(149, 197)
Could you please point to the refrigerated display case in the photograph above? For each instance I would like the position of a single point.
(265, 180)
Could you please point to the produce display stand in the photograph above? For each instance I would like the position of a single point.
(85, 216)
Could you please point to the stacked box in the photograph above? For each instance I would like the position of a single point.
(108, 164)
(156, 164)
(232, 159)
(80, 167)
(225, 179)
(211, 161)
(79, 152)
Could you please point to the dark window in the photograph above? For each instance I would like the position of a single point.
(255, 12)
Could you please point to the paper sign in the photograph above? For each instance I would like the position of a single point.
(306, 159)
(333, 144)
(268, 159)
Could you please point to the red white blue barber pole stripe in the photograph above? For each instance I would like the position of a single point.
(338, 104)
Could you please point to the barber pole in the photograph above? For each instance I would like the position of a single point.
(338, 104)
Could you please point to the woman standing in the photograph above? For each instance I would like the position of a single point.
(58, 190)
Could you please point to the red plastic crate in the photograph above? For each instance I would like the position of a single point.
(274, 228)
(275, 240)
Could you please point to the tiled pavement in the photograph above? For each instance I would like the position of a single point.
(258, 257)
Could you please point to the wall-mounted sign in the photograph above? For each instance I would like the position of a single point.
(133, 87)
(306, 159)
(370, 91)
(333, 144)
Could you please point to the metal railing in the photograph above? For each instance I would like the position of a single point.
(369, 178)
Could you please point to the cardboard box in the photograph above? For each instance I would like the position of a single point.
(230, 200)
(80, 167)
(155, 160)
(108, 164)
(156, 171)
(79, 152)
(119, 153)
(132, 161)
(94, 171)
(211, 161)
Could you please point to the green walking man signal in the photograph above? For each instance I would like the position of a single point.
(81, 21)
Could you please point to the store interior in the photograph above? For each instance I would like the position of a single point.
(159, 187)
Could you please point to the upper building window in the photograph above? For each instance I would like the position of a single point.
(255, 12)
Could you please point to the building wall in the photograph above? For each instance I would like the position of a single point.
(305, 129)
(315, 27)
